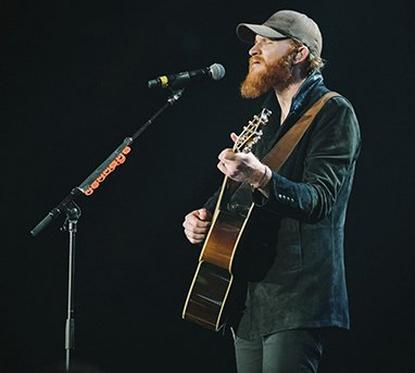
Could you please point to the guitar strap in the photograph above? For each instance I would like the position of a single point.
(276, 157)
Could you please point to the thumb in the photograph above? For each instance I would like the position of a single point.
(203, 214)
(234, 137)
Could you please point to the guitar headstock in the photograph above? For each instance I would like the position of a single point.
(251, 133)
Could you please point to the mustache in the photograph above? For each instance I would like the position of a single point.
(255, 59)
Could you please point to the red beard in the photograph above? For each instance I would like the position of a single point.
(275, 75)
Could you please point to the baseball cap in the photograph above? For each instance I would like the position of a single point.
(282, 24)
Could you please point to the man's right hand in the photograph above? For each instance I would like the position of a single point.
(196, 225)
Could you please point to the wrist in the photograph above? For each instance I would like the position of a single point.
(264, 179)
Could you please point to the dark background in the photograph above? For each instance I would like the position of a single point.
(73, 77)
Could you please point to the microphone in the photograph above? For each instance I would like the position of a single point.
(215, 72)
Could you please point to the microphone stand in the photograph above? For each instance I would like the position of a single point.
(73, 213)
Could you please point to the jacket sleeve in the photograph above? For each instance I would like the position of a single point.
(333, 148)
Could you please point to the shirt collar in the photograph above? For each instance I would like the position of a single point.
(313, 82)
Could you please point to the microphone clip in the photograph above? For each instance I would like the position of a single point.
(175, 96)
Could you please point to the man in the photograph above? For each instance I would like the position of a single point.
(302, 291)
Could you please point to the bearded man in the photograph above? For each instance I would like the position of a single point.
(301, 291)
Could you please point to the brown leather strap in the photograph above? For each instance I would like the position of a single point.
(284, 147)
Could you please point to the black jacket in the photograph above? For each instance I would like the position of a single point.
(295, 239)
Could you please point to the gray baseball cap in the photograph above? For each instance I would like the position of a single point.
(282, 24)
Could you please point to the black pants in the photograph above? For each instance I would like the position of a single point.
(291, 351)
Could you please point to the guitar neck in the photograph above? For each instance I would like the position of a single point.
(221, 194)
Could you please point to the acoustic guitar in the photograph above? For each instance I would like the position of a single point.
(208, 298)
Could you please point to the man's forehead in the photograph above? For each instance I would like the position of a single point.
(259, 37)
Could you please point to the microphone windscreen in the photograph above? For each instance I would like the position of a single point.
(217, 71)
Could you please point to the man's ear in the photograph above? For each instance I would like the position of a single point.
(302, 54)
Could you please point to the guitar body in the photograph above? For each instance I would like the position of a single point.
(209, 294)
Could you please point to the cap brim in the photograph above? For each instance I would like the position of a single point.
(247, 32)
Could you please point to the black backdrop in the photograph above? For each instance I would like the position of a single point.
(74, 85)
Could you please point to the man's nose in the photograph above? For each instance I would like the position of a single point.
(254, 50)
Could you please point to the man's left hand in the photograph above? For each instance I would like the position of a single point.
(244, 168)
